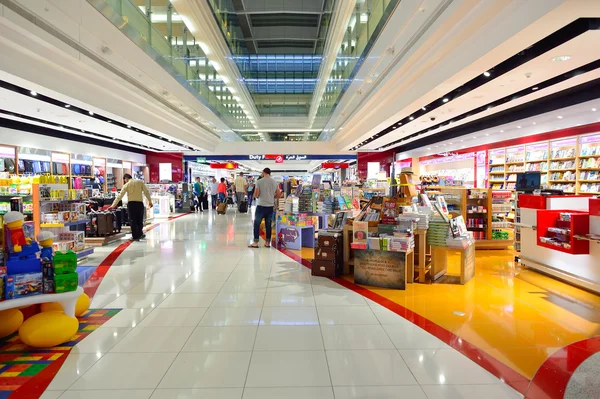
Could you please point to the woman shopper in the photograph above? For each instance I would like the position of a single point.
(222, 189)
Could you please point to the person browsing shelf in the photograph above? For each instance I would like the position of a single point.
(135, 190)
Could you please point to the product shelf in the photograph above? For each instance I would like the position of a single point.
(56, 225)
(578, 225)
(562, 170)
(563, 159)
(590, 156)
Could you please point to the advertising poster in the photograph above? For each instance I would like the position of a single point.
(383, 269)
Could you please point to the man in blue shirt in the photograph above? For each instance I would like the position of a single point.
(199, 192)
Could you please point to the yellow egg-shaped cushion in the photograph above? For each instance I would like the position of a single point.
(83, 304)
(48, 329)
(10, 321)
(51, 307)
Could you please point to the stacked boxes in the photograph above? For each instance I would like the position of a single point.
(329, 261)
(64, 274)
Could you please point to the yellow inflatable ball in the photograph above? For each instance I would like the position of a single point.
(83, 304)
(10, 321)
(48, 329)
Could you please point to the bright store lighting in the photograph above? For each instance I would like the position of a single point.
(33, 93)
(364, 17)
(518, 127)
(90, 112)
(67, 106)
(487, 74)
(411, 118)
(487, 134)
(561, 58)
(593, 109)
(559, 117)
(534, 88)
(445, 100)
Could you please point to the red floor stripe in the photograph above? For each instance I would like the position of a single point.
(483, 359)
(550, 381)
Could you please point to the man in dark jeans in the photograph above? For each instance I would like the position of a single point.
(266, 193)
(135, 190)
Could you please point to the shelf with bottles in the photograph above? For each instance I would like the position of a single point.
(557, 229)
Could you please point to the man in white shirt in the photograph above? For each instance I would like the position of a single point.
(240, 187)
(214, 192)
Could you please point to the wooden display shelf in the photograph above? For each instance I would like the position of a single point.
(496, 164)
(563, 159)
(589, 169)
(562, 181)
(589, 156)
(589, 181)
(537, 161)
(494, 244)
(514, 163)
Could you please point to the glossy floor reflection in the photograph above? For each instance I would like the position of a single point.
(206, 317)
(517, 316)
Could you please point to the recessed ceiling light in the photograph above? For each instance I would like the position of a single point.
(109, 121)
(534, 123)
(593, 109)
(474, 137)
(424, 109)
(429, 148)
(486, 74)
(559, 117)
(534, 88)
(450, 143)
(501, 131)
(518, 127)
(411, 118)
(33, 93)
(487, 134)
(129, 126)
(561, 58)
(67, 106)
(90, 112)
(445, 99)
(462, 141)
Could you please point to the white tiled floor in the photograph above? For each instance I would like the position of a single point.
(205, 317)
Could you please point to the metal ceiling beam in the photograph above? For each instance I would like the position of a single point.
(283, 12)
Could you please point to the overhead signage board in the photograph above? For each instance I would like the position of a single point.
(262, 157)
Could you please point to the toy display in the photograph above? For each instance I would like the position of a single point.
(14, 222)
(45, 239)
(20, 285)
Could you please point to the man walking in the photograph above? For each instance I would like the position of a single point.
(135, 190)
(199, 192)
(265, 192)
(240, 188)
(214, 192)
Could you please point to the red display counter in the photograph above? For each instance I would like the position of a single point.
(555, 237)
